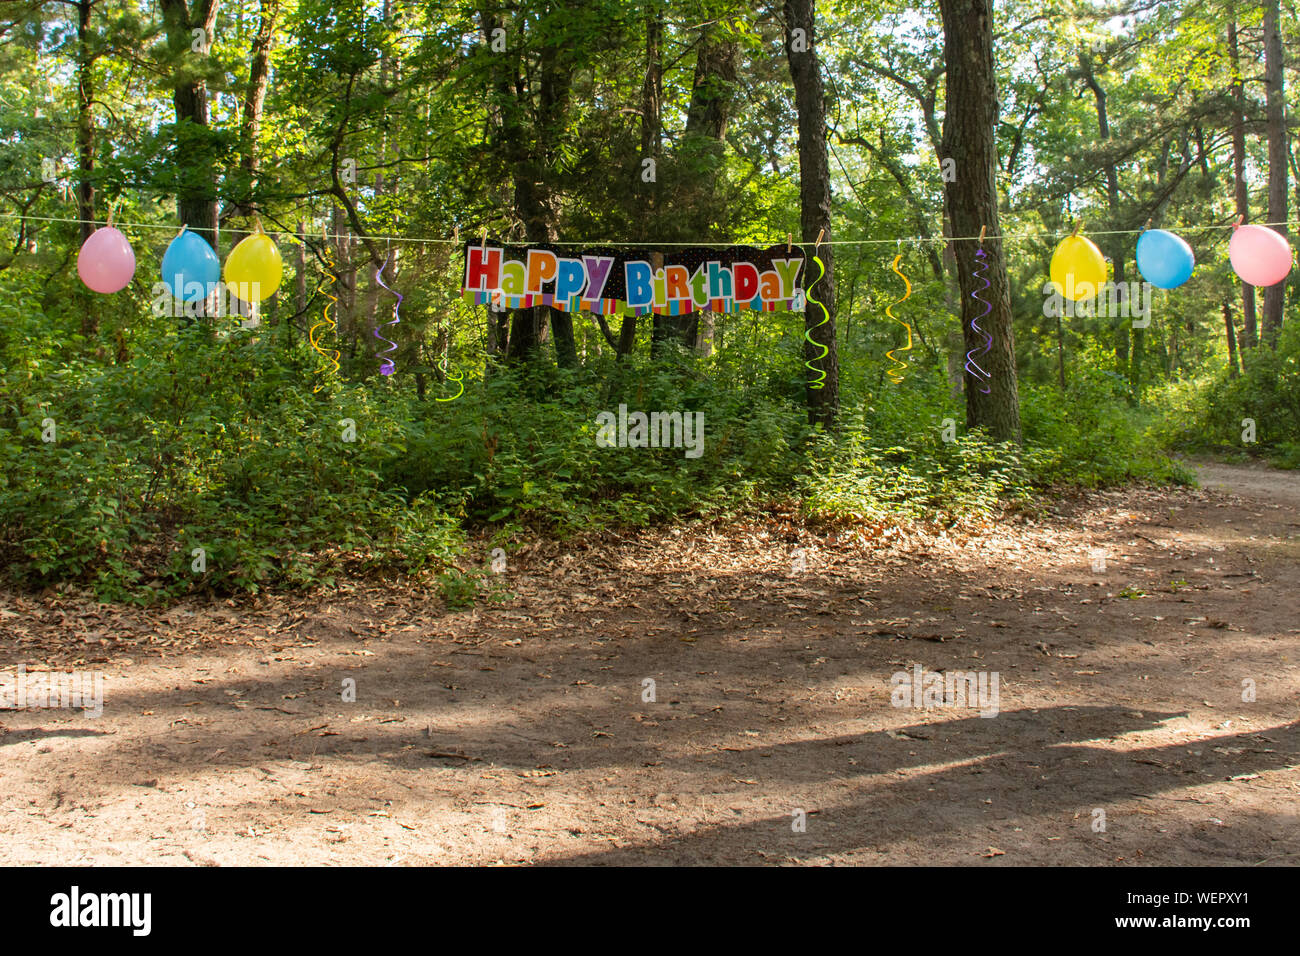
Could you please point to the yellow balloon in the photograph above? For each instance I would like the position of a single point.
(253, 268)
(1078, 268)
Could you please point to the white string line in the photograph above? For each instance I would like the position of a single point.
(914, 240)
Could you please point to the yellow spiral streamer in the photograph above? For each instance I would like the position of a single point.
(896, 372)
(333, 359)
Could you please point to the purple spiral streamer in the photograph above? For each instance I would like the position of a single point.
(388, 365)
(972, 367)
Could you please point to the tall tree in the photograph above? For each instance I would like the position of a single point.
(652, 131)
(823, 396)
(85, 120)
(1117, 243)
(1249, 330)
(1275, 126)
(85, 59)
(196, 197)
(530, 95)
(700, 167)
(250, 123)
(969, 138)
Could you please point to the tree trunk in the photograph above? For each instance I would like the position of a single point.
(709, 109)
(496, 332)
(250, 124)
(1275, 124)
(527, 332)
(652, 97)
(814, 211)
(566, 348)
(300, 278)
(531, 155)
(367, 321)
(89, 308)
(1249, 331)
(668, 328)
(626, 337)
(196, 197)
(1116, 244)
(369, 327)
(953, 339)
(969, 138)
(348, 295)
(1060, 351)
(561, 328)
(1136, 364)
(85, 121)
(341, 309)
(1232, 338)
(1175, 355)
(703, 146)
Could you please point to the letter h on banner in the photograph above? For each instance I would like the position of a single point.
(482, 269)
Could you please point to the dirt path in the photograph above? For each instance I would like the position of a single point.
(524, 732)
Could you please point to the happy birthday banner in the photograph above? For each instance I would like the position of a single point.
(634, 281)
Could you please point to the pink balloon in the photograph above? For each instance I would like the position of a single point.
(1259, 255)
(106, 261)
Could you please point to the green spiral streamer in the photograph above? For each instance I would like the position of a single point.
(826, 317)
(458, 378)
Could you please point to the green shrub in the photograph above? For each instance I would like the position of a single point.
(202, 443)
(1088, 435)
(1207, 414)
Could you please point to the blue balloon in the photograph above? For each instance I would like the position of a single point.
(1164, 260)
(190, 267)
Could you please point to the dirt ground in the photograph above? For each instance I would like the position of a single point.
(523, 731)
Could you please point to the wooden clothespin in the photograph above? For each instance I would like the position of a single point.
(1147, 226)
(110, 215)
(1240, 220)
(983, 230)
(483, 242)
(184, 226)
(455, 235)
(787, 243)
(820, 233)
(1077, 226)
